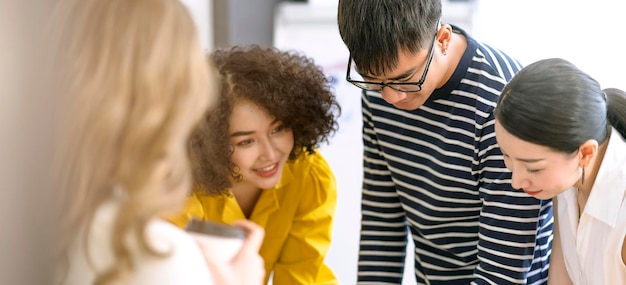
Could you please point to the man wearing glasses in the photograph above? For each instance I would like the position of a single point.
(432, 168)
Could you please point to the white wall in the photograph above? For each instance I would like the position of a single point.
(202, 13)
(588, 33)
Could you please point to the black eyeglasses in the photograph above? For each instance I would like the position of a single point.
(398, 86)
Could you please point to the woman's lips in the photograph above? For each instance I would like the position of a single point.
(532, 192)
(268, 170)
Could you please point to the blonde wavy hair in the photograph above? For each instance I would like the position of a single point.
(133, 83)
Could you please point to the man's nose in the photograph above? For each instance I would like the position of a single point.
(391, 95)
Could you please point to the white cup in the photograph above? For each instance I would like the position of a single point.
(221, 242)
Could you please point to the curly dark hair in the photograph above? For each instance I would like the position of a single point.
(286, 84)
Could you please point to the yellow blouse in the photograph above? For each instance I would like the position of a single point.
(297, 215)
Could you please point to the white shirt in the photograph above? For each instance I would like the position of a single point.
(184, 265)
(592, 244)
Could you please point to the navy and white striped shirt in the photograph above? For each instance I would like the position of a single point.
(439, 170)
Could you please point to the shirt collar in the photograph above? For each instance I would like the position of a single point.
(268, 202)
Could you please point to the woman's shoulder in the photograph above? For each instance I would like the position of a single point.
(182, 261)
(161, 235)
(313, 159)
(308, 165)
(313, 171)
(178, 259)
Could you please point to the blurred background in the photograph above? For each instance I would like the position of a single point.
(588, 33)
(26, 198)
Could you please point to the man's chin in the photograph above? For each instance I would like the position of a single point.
(407, 106)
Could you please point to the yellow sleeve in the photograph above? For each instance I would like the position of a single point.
(302, 257)
(193, 208)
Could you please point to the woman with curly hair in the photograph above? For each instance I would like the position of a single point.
(254, 157)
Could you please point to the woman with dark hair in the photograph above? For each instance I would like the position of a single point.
(254, 157)
(563, 137)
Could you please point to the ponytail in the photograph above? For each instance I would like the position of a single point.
(616, 109)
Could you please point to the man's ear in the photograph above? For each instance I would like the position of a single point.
(444, 36)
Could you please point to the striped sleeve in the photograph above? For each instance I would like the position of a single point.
(508, 219)
(382, 247)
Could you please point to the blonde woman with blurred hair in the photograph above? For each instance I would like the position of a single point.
(134, 82)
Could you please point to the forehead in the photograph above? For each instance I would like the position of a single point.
(517, 148)
(407, 62)
(247, 113)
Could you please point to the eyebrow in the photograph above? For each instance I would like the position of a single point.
(529, 160)
(405, 75)
(247, 133)
(241, 134)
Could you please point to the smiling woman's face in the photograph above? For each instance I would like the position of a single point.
(261, 145)
(537, 170)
